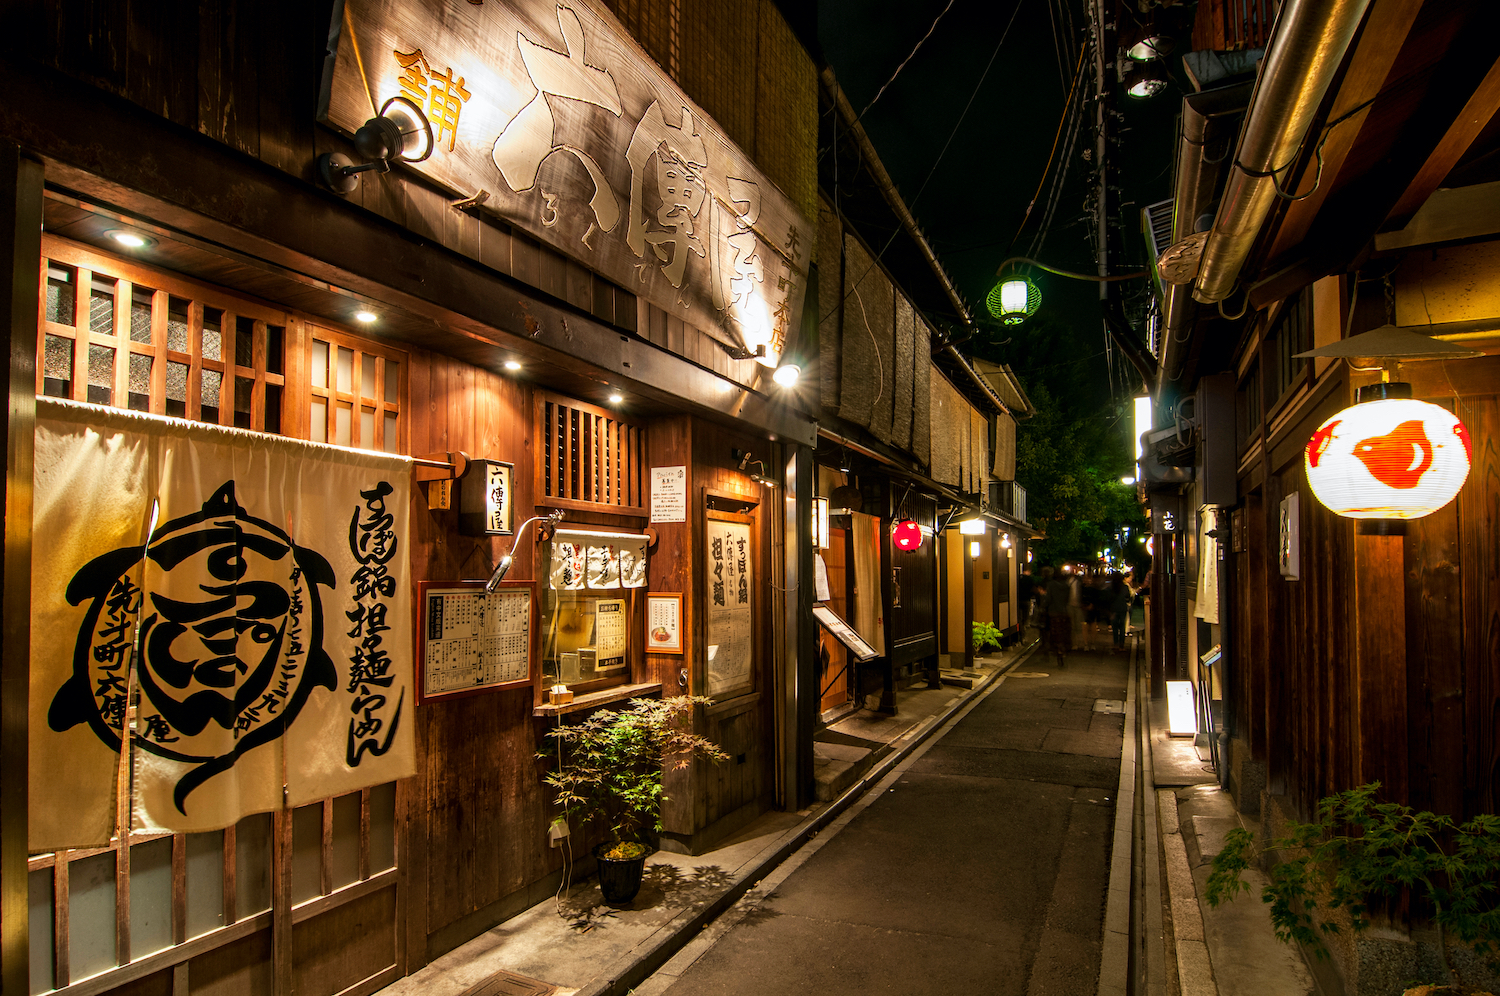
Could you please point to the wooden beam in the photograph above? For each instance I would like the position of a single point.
(1476, 113)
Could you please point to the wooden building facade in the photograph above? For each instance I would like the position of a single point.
(1346, 657)
(499, 333)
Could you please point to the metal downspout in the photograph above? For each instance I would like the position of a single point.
(1308, 45)
(1204, 117)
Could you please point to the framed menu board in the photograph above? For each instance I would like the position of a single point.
(468, 641)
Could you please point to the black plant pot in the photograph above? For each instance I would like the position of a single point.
(619, 878)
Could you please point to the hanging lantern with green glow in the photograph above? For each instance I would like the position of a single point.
(1014, 300)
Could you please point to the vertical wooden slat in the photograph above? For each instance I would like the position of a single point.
(378, 443)
(258, 378)
(193, 390)
(229, 338)
(325, 877)
(158, 354)
(41, 328)
(364, 834)
(82, 292)
(231, 878)
(179, 888)
(61, 933)
(281, 903)
(122, 343)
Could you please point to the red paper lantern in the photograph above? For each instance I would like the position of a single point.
(1389, 459)
(906, 534)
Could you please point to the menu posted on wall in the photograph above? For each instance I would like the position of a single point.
(668, 494)
(472, 640)
(730, 619)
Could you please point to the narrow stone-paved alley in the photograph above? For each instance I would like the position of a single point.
(980, 865)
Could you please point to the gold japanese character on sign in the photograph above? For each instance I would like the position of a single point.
(440, 94)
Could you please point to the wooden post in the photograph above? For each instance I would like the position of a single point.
(1380, 686)
(21, 246)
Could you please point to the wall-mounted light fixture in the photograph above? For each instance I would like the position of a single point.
(973, 549)
(787, 374)
(745, 459)
(395, 135)
(820, 523)
(971, 527)
(502, 568)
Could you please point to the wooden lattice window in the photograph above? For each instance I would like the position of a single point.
(356, 389)
(115, 333)
(590, 457)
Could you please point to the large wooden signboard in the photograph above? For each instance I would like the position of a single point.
(549, 115)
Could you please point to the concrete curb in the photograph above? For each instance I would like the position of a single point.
(1114, 954)
(656, 950)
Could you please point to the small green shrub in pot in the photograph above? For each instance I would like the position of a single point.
(609, 767)
(986, 635)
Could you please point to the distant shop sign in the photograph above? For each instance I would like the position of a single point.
(549, 115)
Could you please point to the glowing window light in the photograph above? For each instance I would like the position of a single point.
(1393, 458)
(906, 534)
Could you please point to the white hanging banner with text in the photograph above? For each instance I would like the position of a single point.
(262, 623)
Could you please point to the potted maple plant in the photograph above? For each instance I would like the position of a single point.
(609, 775)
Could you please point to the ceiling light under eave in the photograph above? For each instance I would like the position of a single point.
(129, 239)
(787, 374)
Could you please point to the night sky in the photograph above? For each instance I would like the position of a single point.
(970, 199)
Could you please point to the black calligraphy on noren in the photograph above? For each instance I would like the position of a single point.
(230, 633)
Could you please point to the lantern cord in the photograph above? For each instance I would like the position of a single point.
(904, 61)
(1068, 273)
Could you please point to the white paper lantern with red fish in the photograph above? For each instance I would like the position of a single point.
(1390, 459)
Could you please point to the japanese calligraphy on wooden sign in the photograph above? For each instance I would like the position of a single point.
(730, 581)
(254, 635)
(484, 499)
(548, 114)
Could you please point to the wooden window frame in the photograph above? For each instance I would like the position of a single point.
(588, 458)
(333, 397)
(128, 275)
(184, 948)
